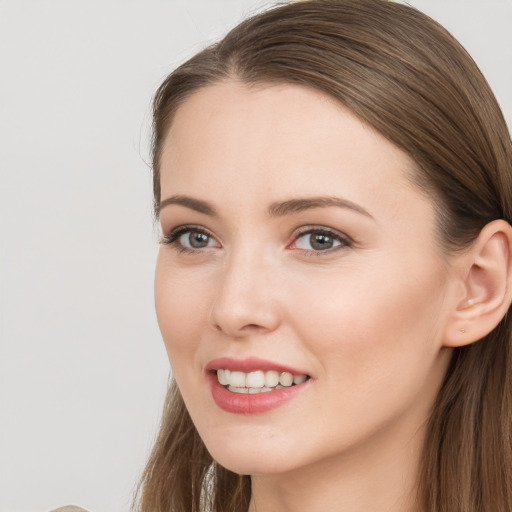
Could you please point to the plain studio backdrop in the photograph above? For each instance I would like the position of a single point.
(83, 371)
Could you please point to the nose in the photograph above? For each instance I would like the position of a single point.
(246, 301)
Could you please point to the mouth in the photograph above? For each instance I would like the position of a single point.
(253, 385)
(258, 381)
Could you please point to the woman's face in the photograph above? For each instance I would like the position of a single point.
(296, 243)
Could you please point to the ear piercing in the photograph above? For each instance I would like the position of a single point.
(462, 330)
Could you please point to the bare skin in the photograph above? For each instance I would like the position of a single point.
(355, 293)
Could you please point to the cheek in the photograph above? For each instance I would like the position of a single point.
(181, 303)
(375, 341)
(372, 325)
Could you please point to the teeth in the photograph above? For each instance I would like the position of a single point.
(223, 376)
(238, 390)
(299, 379)
(271, 379)
(237, 379)
(253, 391)
(286, 379)
(255, 379)
(258, 381)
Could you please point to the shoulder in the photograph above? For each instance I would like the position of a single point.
(69, 508)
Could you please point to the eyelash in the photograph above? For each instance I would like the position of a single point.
(173, 238)
(344, 241)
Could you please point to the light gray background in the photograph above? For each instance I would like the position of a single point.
(82, 367)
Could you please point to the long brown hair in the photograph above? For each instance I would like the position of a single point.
(407, 77)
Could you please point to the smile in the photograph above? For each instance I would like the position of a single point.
(253, 385)
(258, 381)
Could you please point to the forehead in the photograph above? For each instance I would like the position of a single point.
(271, 142)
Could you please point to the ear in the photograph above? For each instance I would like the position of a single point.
(486, 291)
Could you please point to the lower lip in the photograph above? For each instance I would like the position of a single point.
(245, 403)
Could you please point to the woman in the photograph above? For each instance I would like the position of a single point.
(333, 185)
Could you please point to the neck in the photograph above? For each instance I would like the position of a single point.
(381, 477)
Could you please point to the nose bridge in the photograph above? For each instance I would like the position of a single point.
(245, 300)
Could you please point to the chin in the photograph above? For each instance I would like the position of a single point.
(253, 466)
(249, 460)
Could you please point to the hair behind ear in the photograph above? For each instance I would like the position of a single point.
(469, 435)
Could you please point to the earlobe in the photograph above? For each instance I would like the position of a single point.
(487, 283)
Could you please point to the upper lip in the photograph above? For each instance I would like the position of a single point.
(250, 364)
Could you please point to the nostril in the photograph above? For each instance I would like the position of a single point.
(238, 318)
(248, 327)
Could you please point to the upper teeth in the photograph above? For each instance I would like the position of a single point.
(259, 379)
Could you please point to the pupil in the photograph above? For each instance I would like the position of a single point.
(198, 240)
(321, 242)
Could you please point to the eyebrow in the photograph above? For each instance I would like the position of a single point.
(189, 202)
(299, 205)
(277, 209)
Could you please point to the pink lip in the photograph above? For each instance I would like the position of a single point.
(239, 403)
(250, 364)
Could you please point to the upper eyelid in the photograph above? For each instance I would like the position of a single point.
(172, 235)
(304, 230)
(183, 228)
(344, 240)
(177, 231)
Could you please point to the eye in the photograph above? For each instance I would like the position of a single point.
(196, 240)
(319, 240)
(190, 238)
